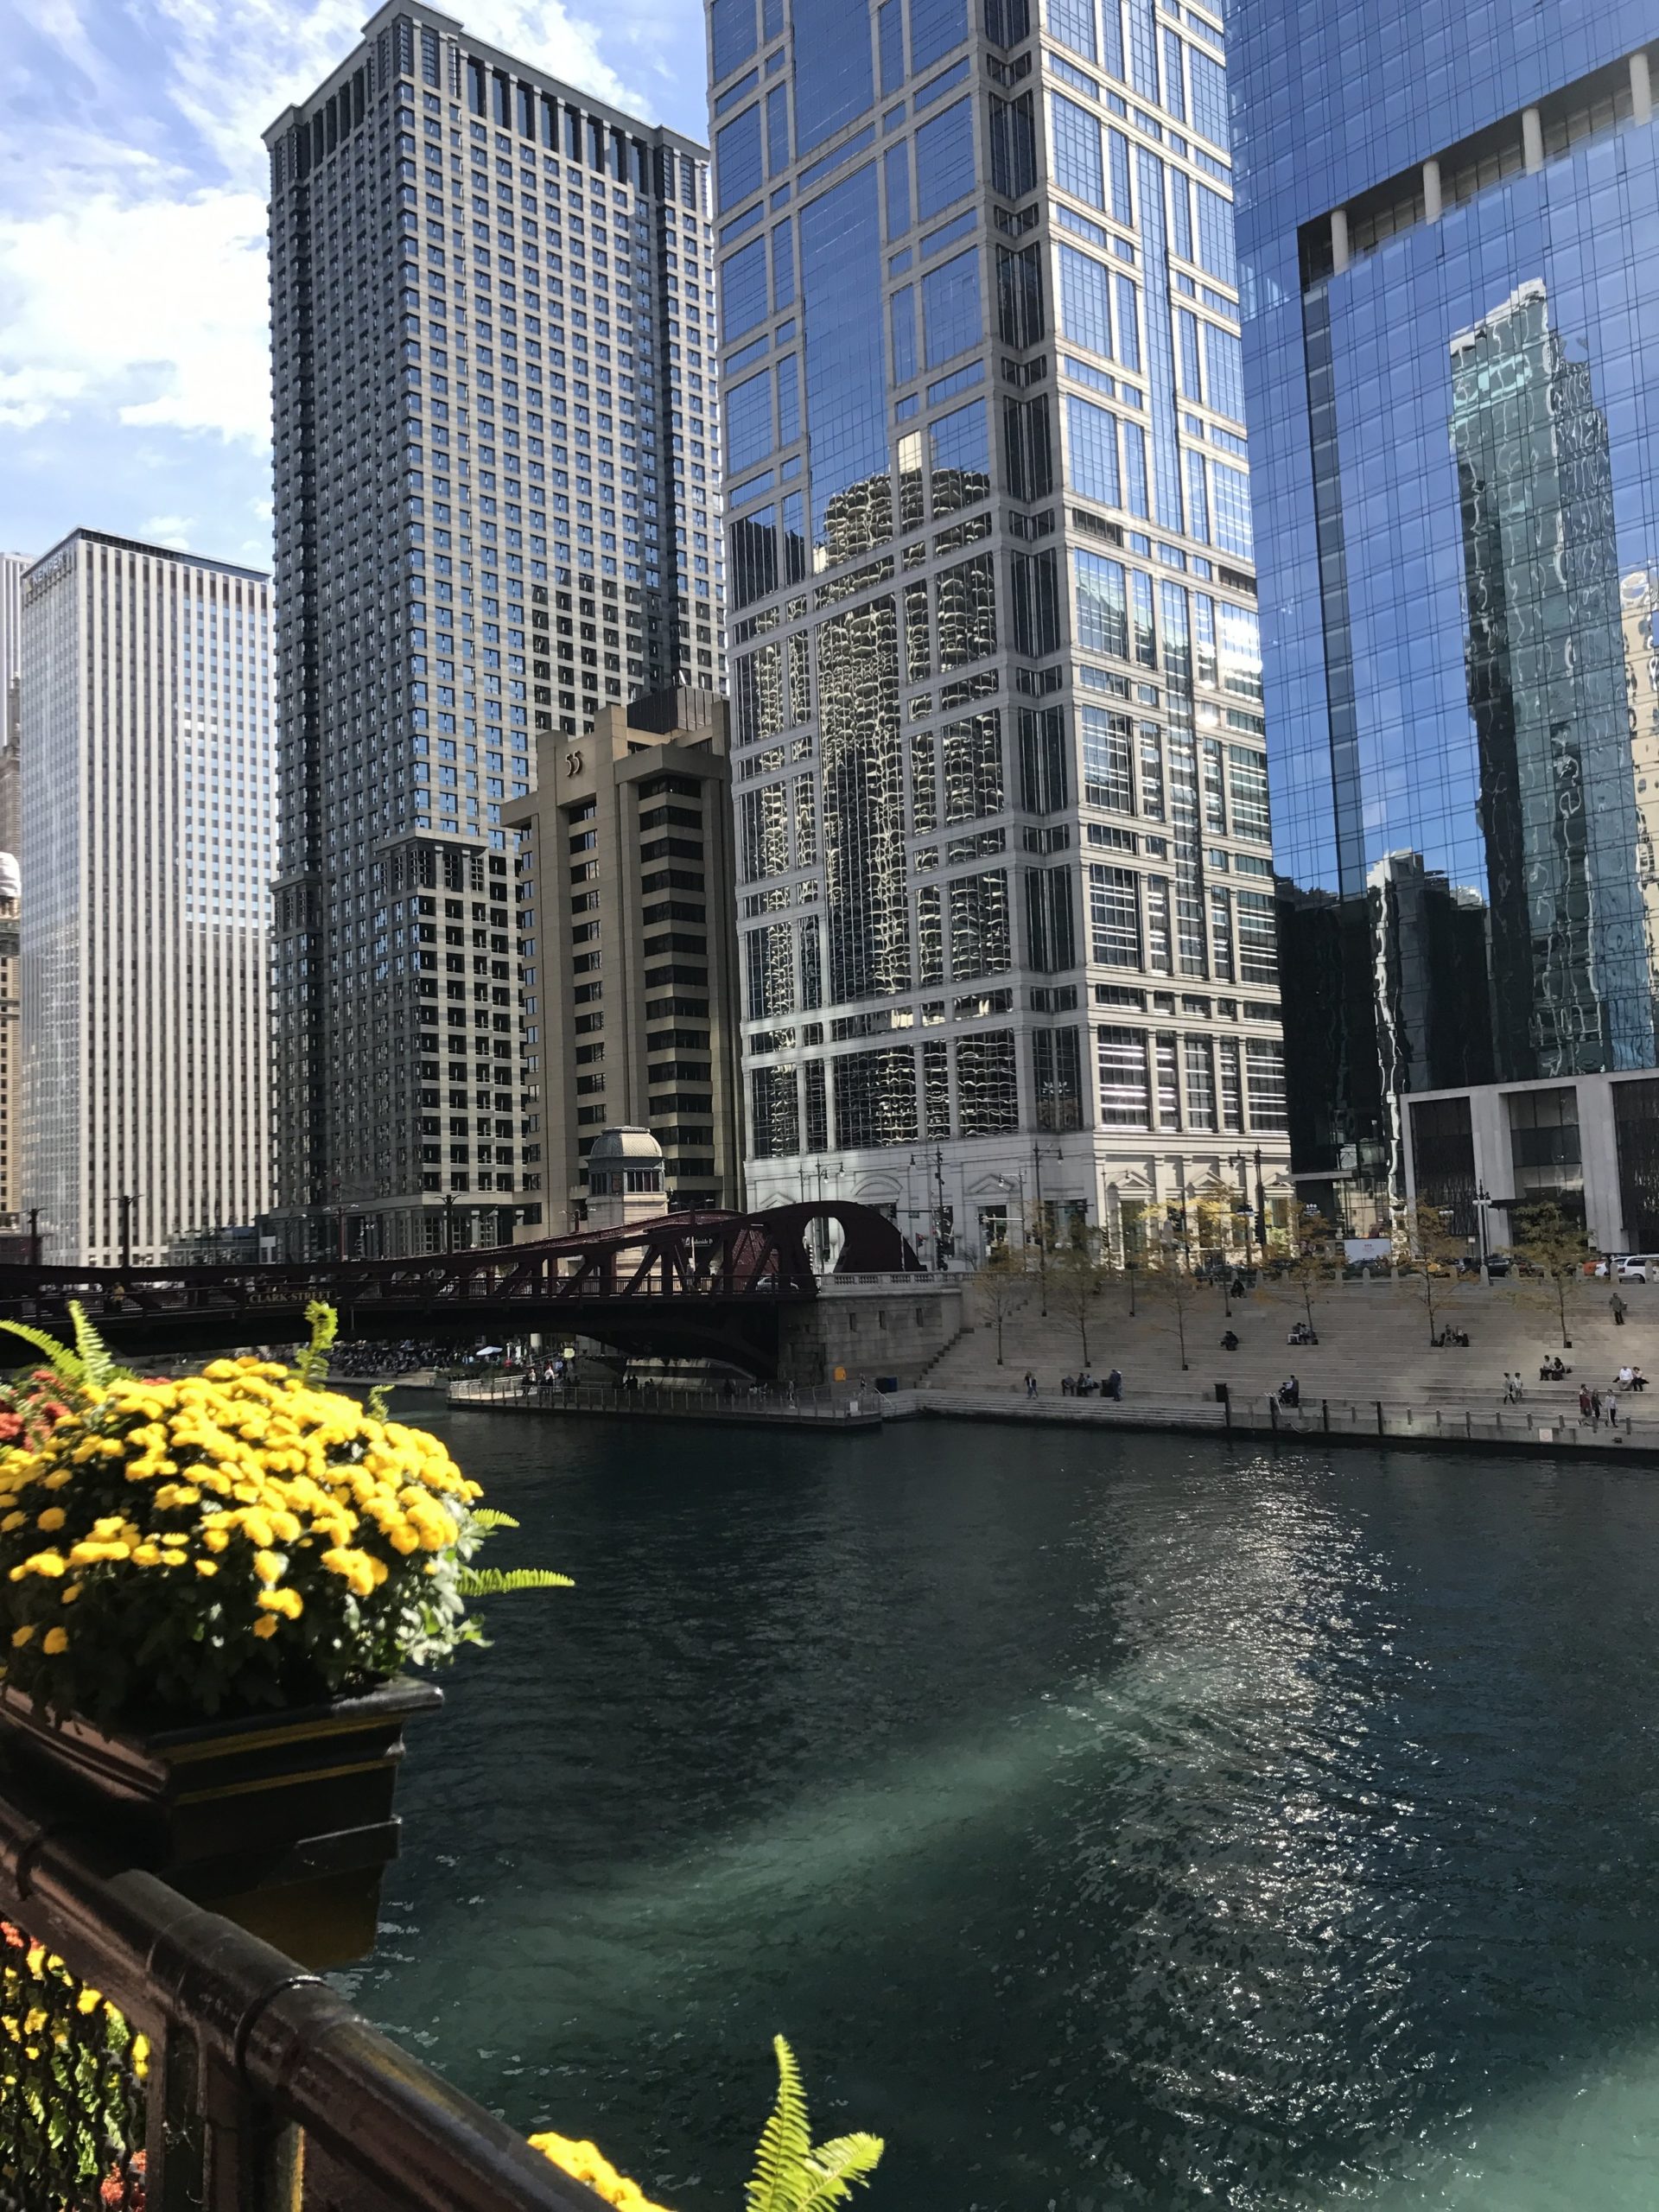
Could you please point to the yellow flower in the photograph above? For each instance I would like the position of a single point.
(265, 1625)
(52, 1520)
(13, 1521)
(207, 1567)
(71, 1594)
(585, 2162)
(54, 1641)
(286, 1602)
(269, 1566)
(20, 1637)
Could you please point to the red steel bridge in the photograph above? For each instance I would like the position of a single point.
(686, 1285)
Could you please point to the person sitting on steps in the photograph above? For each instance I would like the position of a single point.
(1230, 1342)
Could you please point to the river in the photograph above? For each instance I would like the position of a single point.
(1108, 1821)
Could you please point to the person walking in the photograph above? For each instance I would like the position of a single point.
(1031, 1384)
(1615, 1306)
(1595, 1410)
(1610, 1404)
(1583, 1401)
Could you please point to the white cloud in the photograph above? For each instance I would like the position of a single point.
(154, 309)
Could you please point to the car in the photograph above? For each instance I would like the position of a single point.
(1640, 1267)
(1609, 1264)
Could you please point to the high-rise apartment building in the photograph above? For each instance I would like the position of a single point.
(147, 847)
(630, 951)
(1447, 227)
(497, 511)
(1005, 882)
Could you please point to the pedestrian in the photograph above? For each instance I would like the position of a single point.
(1115, 1384)
(1611, 1402)
(1583, 1401)
(1617, 1306)
(1595, 1410)
(1031, 1384)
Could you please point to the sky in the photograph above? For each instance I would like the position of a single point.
(135, 388)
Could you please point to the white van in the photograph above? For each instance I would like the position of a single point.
(1640, 1267)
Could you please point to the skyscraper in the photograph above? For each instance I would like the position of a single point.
(497, 511)
(1448, 229)
(1002, 823)
(12, 566)
(631, 951)
(147, 789)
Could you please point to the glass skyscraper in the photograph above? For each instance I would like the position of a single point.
(1003, 834)
(1449, 247)
(497, 511)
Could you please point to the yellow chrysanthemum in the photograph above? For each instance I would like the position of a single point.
(585, 2162)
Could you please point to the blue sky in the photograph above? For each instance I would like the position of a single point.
(134, 384)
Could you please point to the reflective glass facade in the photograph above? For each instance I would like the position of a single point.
(1000, 761)
(1448, 231)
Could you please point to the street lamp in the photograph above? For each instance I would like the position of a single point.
(1055, 1152)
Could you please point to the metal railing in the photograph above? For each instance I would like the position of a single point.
(160, 2056)
(1260, 1414)
(825, 1401)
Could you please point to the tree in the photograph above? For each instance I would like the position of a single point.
(1309, 1263)
(1424, 1242)
(1552, 1246)
(1002, 1284)
(1168, 1279)
(1077, 1271)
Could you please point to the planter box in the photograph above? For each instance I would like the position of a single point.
(280, 1821)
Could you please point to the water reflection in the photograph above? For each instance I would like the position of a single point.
(1109, 1827)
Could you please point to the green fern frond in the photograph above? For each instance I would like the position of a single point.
(498, 1582)
(832, 2167)
(380, 1401)
(312, 1365)
(780, 2175)
(488, 1518)
(97, 1368)
(62, 1362)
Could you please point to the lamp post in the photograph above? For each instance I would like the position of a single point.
(449, 1220)
(1016, 1182)
(125, 1204)
(1042, 1224)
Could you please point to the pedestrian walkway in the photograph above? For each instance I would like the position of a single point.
(1373, 1350)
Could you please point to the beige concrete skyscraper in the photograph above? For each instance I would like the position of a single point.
(147, 837)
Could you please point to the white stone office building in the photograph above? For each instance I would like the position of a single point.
(1006, 874)
(146, 844)
(497, 477)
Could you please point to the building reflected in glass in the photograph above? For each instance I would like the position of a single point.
(1448, 256)
(1006, 884)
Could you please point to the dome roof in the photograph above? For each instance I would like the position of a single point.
(11, 877)
(625, 1144)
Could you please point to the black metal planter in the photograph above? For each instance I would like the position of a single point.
(282, 1822)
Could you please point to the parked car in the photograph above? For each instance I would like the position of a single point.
(1641, 1267)
(1609, 1264)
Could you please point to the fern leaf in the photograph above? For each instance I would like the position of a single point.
(487, 1517)
(780, 2178)
(832, 2167)
(379, 1400)
(96, 1366)
(497, 1582)
(63, 1363)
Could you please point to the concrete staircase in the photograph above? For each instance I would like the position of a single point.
(1373, 1345)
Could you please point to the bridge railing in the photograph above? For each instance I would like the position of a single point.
(152, 2053)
